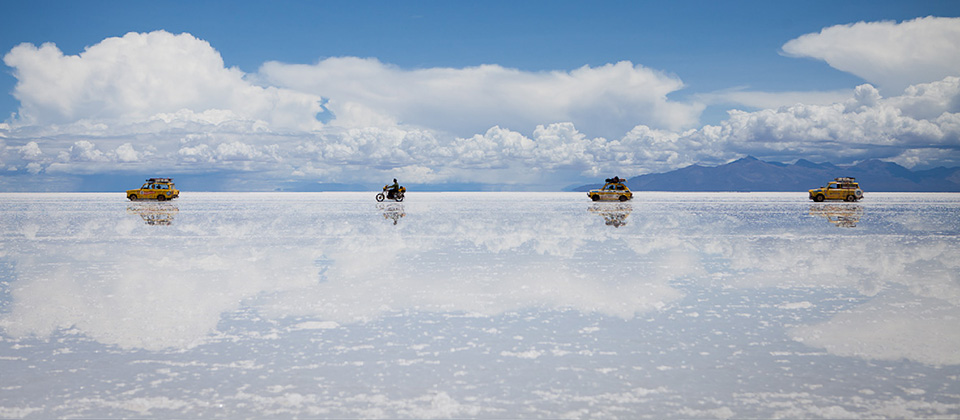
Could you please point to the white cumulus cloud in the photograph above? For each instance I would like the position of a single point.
(140, 75)
(126, 153)
(864, 126)
(163, 102)
(83, 151)
(605, 100)
(888, 54)
(30, 151)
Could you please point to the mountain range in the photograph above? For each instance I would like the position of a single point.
(752, 174)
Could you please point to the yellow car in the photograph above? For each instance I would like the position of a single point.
(845, 188)
(612, 190)
(160, 189)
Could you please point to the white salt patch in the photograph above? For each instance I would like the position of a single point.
(30, 231)
(796, 305)
(316, 325)
(17, 412)
(914, 391)
(717, 413)
(529, 354)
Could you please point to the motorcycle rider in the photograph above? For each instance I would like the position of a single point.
(393, 189)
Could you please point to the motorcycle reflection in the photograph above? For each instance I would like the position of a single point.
(392, 211)
(841, 215)
(154, 214)
(614, 214)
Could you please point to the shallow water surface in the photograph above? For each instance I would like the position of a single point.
(485, 305)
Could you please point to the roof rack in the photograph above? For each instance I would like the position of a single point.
(845, 179)
(159, 179)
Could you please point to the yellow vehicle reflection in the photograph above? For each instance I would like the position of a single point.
(614, 214)
(841, 215)
(392, 211)
(155, 214)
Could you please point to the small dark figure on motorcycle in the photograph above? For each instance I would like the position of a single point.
(393, 192)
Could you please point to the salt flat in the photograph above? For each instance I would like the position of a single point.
(485, 305)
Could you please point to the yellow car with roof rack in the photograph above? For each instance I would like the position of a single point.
(612, 190)
(160, 189)
(843, 188)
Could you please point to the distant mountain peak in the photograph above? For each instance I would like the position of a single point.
(751, 174)
(877, 163)
(803, 163)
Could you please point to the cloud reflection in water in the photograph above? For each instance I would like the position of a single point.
(89, 265)
(87, 268)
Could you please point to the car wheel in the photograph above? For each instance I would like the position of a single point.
(161, 198)
(380, 197)
(595, 197)
(818, 198)
(132, 197)
(623, 198)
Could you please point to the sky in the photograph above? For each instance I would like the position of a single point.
(463, 95)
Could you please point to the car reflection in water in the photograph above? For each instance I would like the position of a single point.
(154, 214)
(614, 214)
(392, 211)
(841, 215)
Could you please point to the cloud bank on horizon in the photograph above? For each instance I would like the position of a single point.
(166, 104)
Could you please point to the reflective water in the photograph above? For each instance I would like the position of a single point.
(486, 305)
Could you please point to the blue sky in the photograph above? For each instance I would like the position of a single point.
(710, 45)
(510, 95)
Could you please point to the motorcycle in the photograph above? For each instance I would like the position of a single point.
(390, 194)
